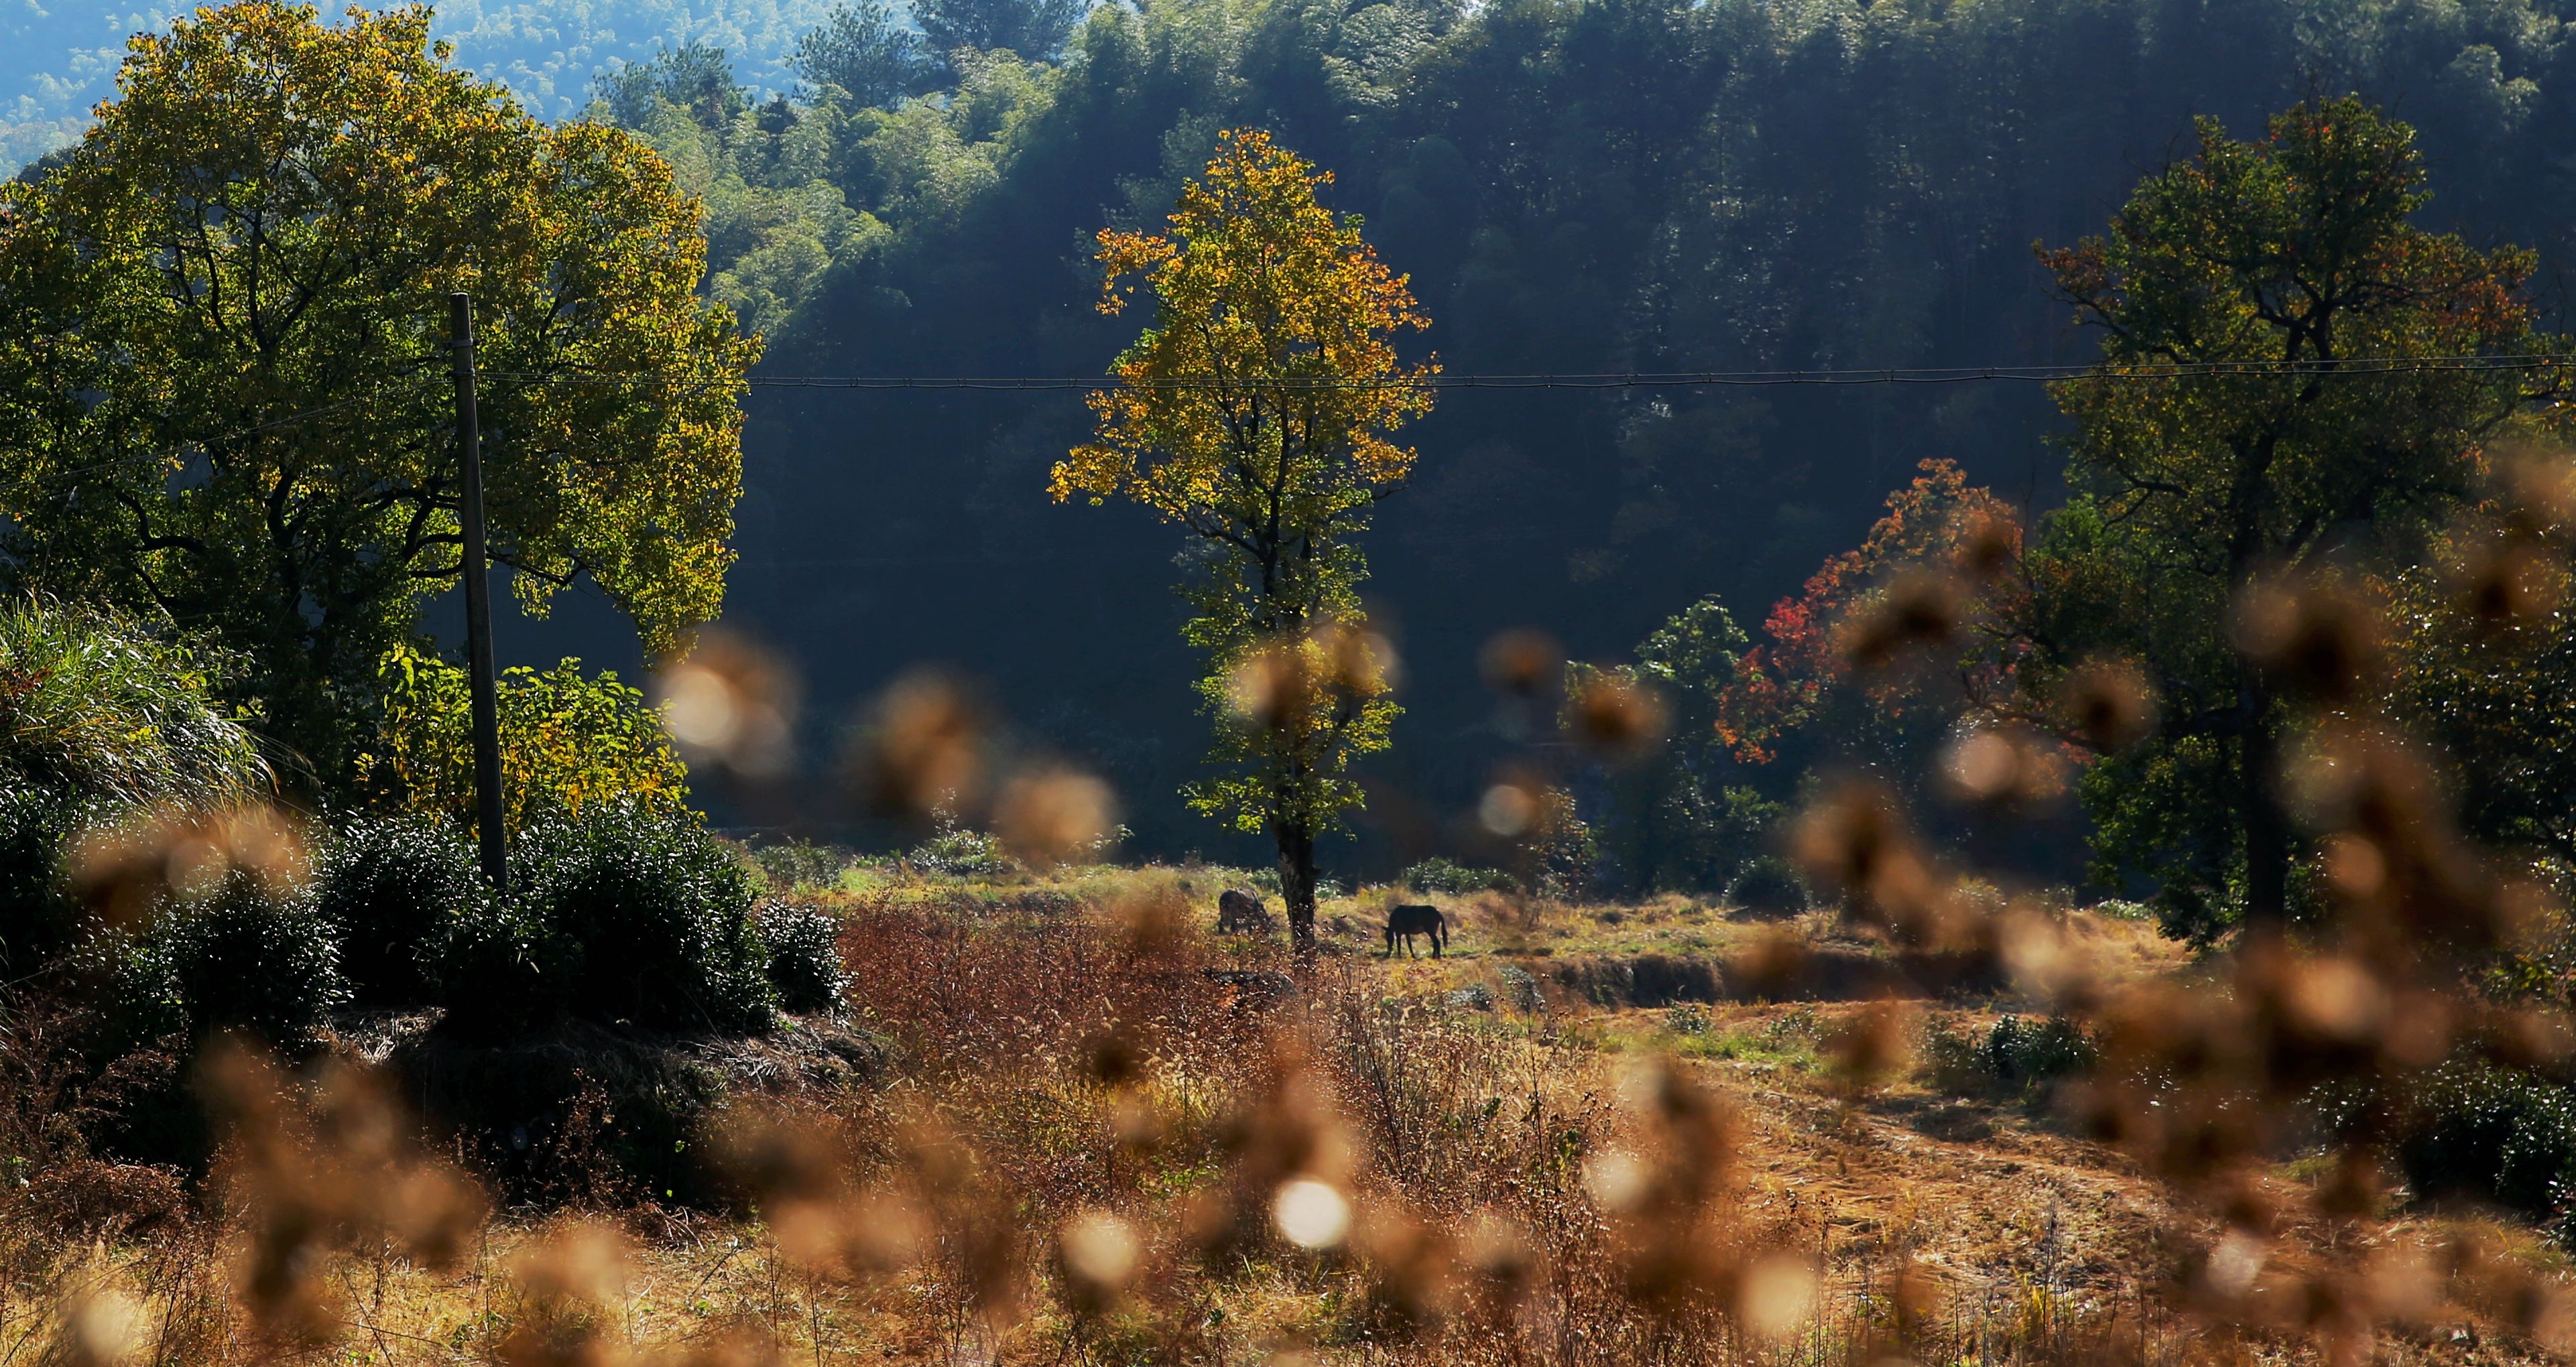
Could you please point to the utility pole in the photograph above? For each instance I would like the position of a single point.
(478, 600)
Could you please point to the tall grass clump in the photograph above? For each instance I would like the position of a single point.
(100, 717)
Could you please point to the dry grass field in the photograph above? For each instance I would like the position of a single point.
(1083, 1128)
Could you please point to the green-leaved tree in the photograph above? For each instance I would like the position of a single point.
(223, 358)
(2293, 266)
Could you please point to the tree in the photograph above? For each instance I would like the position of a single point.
(2292, 264)
(1032, 29)
(696, 79)
(1255, 413)
(1940, 540)
(861, 51)
(223, 392)
(1674, 823)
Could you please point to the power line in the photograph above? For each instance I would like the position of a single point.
(1752, 379)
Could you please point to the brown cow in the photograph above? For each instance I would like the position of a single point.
(1416, 920)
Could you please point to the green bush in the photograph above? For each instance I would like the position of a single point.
(1769, 886)
(37, 913)
(2028, 1053)
(393, 889)
(1457, 880)
(2015, 1056)
(804, 956)
(643, 916)
(2495, 1135)
(800, 864)
(246, 959)
(491, 970)
(960, 853)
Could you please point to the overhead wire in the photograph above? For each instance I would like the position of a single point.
(1760, 379)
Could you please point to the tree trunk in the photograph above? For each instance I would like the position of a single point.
(1297, 883)
(2267, 826)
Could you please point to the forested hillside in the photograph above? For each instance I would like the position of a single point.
(60, 56)
(1624, 185)
(1616, 186)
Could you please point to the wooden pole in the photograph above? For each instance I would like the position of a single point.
(478, 601)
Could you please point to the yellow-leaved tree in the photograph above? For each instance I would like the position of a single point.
(1256, 413)
(223, 357)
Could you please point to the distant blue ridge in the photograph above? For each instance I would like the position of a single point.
(58, 58)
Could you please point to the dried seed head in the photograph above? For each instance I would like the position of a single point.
(2107, 704)
(1619, 1181)
(923, 749)
(1272, 687)
(1870, 1044)
(1152, 921)
(1776, 1298)
(1413, 1267)
(2352, 1189)
(2002, 766)
(124, 873)
(1112, 1058)
(2536, 489)
(1099, 1252)
(1512, 806)
(1055, 816)
(730, 702)
(1522, 664)
(1921, 609)
(2314, 637)
(1311, 1214)
(1989, 544)
(1359, 662)
(102, 1328)
(1496, 1250)
(1773, 965)
(1613, 714)
(581, 1261)
(2500, 585)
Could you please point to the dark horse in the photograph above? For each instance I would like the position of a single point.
(1411, 921)
(1240, 913)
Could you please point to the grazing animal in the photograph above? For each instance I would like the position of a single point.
(1418, 920)
(1240, 913)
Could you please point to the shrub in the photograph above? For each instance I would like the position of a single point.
(568, 741)
(804, 956)
(960, 853)
(247, 958)
(2494, 1135)
(799, 864)
(644, 916)
(393, 889)
(1768, 886)
(37, 914)
(1457, 880)
(2027, 1053)
(2015, 1055)
(491, 970)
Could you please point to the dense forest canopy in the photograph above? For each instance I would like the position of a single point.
(1608, 186)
